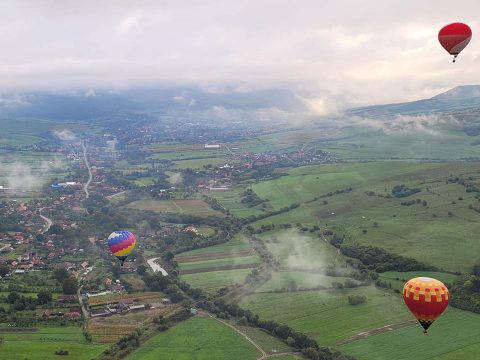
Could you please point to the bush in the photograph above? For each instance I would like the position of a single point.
(356, 299)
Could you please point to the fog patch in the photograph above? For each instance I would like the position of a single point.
(406, 124)
(22, 177)
(64, 135)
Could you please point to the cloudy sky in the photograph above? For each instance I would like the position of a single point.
(356, 52)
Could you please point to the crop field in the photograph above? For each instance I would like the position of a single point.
(110, 329)
(204, 267)
(112, 298)
(326, 315)
(214, 280)
(42, 343)
(192, 207)
(456, 335)
(302, 280)
(422, 230)
(200, 163)
(201, 338)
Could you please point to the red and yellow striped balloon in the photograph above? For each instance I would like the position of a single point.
(426, 298)
(121, 243)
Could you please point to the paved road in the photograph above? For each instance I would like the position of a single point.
(155, 267)
(48, 221)
(85, 187)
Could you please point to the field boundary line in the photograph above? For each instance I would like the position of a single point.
(264, 354)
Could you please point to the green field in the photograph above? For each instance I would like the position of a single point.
(296, 250)
(201, 163)
(201, 262)
(197, 338)
(214, 280)
(192, 207)
(455, 336)
(231, 200)
(44, 341)
(398, 279)
(284, 279)
(425, 233)
(326, 315)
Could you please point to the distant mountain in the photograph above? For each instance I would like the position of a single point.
(459, 99)
(87, 105)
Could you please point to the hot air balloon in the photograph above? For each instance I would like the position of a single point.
(426, 298)
(121, 244)
(454, 37)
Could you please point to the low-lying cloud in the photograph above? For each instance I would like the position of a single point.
(405, 124)
(65, 135)
(23, 177)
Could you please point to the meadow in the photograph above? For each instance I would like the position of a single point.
(191, 207)
(200, 338)
(369, 214)
(42, 342)
(326, 315)
(456, 335)
(199, 267)
(231, 200)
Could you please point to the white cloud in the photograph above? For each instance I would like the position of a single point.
(65, 135)
(128, 24)
(361, 52)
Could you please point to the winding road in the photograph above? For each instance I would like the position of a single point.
(48, 221)
(85, 159)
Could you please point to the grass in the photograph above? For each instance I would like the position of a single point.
(268, 343)
(294, 249)
(199, 164)
(231, 200)
(198, 338)
(214, 280)
(284, 279)
(425, 233)
(43, 343)
(398, 279)
(206, 264)
(192, 207)
(237, 251)
(456, 335)
(326, 315)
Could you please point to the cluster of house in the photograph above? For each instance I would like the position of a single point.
(120, 307)
(71, 313)
(25, 214)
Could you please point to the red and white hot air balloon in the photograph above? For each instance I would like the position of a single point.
(454, 37)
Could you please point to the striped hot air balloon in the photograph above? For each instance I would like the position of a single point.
(121, 243)
(426, 298)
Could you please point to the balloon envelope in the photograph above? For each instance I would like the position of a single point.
(426, 298)
(454, 37)
(121, 243)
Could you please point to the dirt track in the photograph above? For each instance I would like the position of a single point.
(380, 330)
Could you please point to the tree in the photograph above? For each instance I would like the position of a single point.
(142, 269)
(70, 285)
(60, 274)
(44, 297)
(4, 270)
(12, 297)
